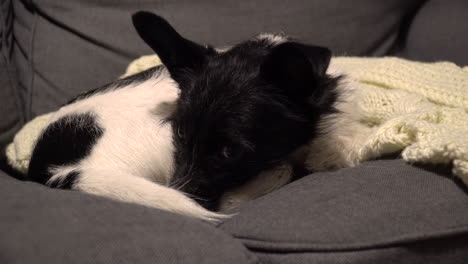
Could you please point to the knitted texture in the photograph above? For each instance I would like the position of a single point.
(141, 64)
(418, 109)
(20, 150)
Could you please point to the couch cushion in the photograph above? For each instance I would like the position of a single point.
(10, 104)
(439, 31)
(447, 251)
(42, 225)
(67, 47)
(378, 204)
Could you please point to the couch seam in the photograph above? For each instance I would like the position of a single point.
(291, 247)
(12, 78)
(30, 89)
(403, 29)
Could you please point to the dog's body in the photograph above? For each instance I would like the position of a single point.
(116, 143)
(206, 123)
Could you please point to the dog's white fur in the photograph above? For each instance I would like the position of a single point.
(336, 147)
(274, 39)
(133, 161)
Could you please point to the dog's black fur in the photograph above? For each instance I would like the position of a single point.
(241, 111)
(64, 142)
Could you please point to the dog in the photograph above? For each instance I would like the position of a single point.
(183, 136)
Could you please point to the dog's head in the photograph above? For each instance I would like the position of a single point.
(242, 110)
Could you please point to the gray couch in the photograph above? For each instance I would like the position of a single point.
(383, 211)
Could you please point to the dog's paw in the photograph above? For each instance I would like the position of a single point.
(264, 183)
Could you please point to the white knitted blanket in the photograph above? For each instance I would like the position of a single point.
(418, 109)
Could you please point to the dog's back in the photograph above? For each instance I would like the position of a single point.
(115, 142)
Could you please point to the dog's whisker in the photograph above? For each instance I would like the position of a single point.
(185, 183)
(175, 184)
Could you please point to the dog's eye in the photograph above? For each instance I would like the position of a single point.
(230, 153)
(226, 152)
(180, 132)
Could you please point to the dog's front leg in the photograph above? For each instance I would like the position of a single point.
(262, 184)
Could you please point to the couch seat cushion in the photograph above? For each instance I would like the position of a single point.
(377, 204)
(43, 225)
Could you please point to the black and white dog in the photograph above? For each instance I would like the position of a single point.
(206, 123)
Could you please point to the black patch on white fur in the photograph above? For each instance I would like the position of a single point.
(242, 111)
(124, 82)
(64, 142)
(66, 182)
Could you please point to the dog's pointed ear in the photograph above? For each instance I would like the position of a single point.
(174, 51)
(298, 69)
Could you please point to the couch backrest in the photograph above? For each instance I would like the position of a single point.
(11, 108)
